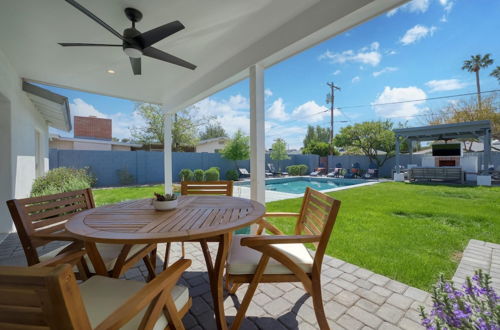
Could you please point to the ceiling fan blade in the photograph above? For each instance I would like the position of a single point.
(95, 18)
(162, 56)
(71, 44)
(151, 37)
(136, 65)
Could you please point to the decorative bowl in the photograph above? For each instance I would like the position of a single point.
(164, 205)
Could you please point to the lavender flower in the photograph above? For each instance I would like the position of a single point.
(474, 306)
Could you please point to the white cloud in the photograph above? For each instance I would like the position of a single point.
(355, 79)
(401, 110)
(445, 85)
(293, 135)
(268, 92)
(447, 5)
(366, 55)
(277, 110)
(384, 70)
(391, 52)
(311, 112)
(227, 112)
(416, 33)
(81, 108)
(414, 6)
(337, 72)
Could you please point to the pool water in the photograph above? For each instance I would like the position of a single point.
(298, 185)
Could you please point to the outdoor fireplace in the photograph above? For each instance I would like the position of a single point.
(447, 161)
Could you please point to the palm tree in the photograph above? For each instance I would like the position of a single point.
(496, 73)
(476, 63)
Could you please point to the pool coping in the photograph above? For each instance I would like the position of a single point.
(272, 195)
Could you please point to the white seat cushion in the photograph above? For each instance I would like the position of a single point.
(243, 260)
(108, 252)
(102, 295)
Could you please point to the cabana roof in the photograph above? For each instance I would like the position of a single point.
(471, 129)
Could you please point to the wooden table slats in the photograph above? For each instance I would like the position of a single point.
(196, 217)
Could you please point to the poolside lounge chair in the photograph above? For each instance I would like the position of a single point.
(244, 172)
(336, 172)
(272, 169)
(318, 171)
(372, 172)
(354, 172)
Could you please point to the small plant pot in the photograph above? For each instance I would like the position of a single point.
(164, 205)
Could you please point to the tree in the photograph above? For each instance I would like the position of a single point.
(213, 130)
(238, 148)
(318, 148)
(468, 110)
(316, 134)
(496, 73)
(476, 63)
(278, 152)
(184, 126)
(369, 137)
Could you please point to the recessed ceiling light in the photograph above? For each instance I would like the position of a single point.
(111, 71)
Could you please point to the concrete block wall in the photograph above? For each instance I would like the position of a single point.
(147, 167)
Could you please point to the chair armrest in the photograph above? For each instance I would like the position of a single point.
(263, 224)
(69, 257)
(283, 239)
(136, 303)
(281, 214)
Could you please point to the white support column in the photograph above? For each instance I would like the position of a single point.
(167, 151)
(257, 134)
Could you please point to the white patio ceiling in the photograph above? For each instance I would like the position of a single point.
(222, 37)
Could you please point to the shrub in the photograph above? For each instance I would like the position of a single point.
(215, 168)
(186, 174)
(125, 177)
(302, 168)
(292, 170)
(212, 174)
(61, 180)
(232, 175)
(198, 175)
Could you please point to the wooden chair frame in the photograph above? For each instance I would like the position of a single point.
(41, 220)
(314, 225)
(42, 297)
(222, 188)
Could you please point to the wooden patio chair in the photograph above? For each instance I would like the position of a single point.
(223, 188)
(261, 258)
(41, 220)
(50, 298)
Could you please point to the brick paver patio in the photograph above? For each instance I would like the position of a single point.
(355, 298)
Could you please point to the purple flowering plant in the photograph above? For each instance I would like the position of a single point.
(474, 306)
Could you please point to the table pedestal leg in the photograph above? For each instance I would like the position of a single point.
(215, 276)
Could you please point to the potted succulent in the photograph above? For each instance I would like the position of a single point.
(164, 202)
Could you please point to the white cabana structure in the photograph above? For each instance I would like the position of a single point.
(227, 40)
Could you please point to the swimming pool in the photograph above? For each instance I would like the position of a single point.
(298, 185)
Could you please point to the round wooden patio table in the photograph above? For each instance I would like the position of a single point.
(196, 218)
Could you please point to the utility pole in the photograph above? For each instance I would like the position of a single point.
(330, 98)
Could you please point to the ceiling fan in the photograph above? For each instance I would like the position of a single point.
(134, 43)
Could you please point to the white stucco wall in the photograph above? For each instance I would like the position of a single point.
(211, 146)
(19, 120)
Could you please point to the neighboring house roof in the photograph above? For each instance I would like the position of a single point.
(217, 139)
(53, 107)
(115, 143)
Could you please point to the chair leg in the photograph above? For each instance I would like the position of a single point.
(319, 310)
(149, 266)
(250, 292)
(152, 257)
(167, 255)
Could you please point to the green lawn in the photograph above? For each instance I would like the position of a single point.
(409, 232)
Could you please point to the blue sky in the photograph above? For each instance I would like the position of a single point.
(414, 52)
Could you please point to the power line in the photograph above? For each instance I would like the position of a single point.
(418, 100)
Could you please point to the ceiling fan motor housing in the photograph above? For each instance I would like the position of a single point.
(131, 47)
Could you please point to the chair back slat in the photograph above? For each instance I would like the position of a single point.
(317, 217)
(224, 188)
(41, 298)
(45, 214)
